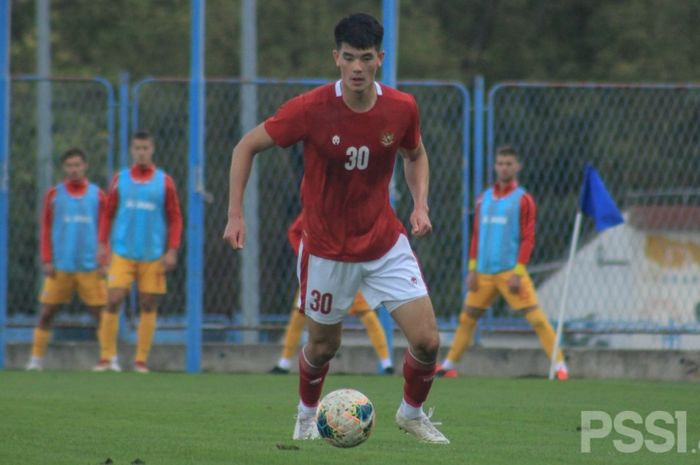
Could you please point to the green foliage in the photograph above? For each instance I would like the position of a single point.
(629, 40)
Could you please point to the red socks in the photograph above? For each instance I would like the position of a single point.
(418, 378)
(310, 380)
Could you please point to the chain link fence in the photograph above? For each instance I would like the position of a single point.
(49, 116)
(644, 140)
(161, 107)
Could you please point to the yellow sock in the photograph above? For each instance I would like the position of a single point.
(40, 342)
(375, 333)
(292, 335)
(463, 337)
(146, 331)
(107, 334)
(539, 322)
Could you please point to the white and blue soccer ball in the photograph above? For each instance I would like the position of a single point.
(345, 418)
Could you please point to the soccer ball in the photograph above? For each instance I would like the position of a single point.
(345, 418)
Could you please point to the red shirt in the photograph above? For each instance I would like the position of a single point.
(172, 205)
(348, 163)
(75, 189)
(528, 213)
(294, 233)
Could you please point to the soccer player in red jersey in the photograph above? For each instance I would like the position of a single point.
(352, 239)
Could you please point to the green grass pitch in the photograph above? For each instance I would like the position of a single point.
(81, 418)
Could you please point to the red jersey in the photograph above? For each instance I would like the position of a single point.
(348, 163)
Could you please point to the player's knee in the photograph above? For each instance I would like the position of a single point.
(426, 349)
(470, 312)
(321, 351)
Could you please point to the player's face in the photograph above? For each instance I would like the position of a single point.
(507, 168)
(357, 67)
(74, 168)
(142, 151)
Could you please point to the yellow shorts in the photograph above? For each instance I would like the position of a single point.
(359, 306)
(59, 289)
(149, 276)
(490, 285)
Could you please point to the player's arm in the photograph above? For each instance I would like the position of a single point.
(472, 277)
(417, 172)
(528, 213)
(106, 219)
(173, 214)
(45, 236)
(255, 141)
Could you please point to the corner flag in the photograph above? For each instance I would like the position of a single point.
(596, 202)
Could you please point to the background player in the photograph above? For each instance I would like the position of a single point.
(351, 236)
(144, 222)
(503, 239)
(72, 213)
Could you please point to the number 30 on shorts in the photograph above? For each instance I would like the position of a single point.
(321, 302)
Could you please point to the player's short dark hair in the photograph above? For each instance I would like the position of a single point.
(142, 134)
(359, 30)
(507, 150)
(73, 152)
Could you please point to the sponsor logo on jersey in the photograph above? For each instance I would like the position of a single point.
(336, 140)
(495, 219)
(140, 205)
(387, 139)
(77, 219)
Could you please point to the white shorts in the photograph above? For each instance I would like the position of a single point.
(328, 287)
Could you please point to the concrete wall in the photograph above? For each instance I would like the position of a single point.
(495, 362)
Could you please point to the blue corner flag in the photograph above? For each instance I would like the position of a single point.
(596, 202)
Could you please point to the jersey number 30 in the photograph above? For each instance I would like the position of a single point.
(357, 158)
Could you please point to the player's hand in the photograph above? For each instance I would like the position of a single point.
(234, 233)
(514, 283)
(472, 281)
(103, 256)
(169, 260)
(48, 270)
(420, 222)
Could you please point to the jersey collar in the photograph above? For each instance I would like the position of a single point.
(339, 88)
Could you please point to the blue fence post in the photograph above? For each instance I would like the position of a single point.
(390, 19)
(4, 165)
(195, 201)
(123, 120)
(478, 156)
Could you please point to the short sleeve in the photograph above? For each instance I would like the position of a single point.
(288, 125)
(412, 137)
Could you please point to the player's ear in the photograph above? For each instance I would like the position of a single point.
(380, 55)
(336, 57)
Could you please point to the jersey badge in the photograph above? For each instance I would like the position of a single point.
(336, 139)
(387, 139)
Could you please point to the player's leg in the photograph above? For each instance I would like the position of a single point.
(526, 301)
(327, 289)
(56, 291)
(395, 280)
(92, 290)
(375, 332)
(474, 307)
(417, 321)
(152, 285)
(314, 359)
(292, 335)
(121, 274)
(464, 335)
